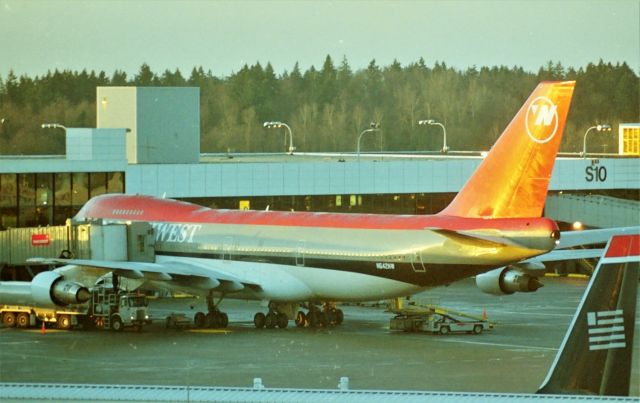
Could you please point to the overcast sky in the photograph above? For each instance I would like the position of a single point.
(36, 36)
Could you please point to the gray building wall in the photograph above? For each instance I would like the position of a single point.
(163, 123)
(96, 144)
(168, 125)
(428, 175)
(115, 108)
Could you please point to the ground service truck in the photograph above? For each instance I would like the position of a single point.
(107, 309)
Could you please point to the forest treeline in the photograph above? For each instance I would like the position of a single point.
(328, 107)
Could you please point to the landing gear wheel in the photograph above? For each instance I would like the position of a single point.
(301, 319)
(330, 317)
(312, 317)
(259, 320)
(9, 319)
(444, 330)
(271, 321)
(116, 324)
(339, 316)
(223, 320)
(64, 322)
(322, 319)
(283, 320)
(477, 329)
(213, 320)
(23, 320)
(200, 320)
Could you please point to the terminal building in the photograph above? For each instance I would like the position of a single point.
(147, 141)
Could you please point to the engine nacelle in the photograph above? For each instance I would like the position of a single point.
(506, 281)
(49, 288)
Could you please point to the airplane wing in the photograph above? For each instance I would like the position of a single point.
(180, 274)
(473, 238)
(569, 239)
(568, 254)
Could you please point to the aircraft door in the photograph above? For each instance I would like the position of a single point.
(227, 247)
(300, 253)
(141, 242)
(416, 263)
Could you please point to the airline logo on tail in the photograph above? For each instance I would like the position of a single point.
(541, 120)
(606, 330)
(512, 181)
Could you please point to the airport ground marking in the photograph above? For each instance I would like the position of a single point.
(216, 331)
(518, 346)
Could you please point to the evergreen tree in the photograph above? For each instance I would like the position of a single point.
(145, 76)
(327, 82)
(328, 108)
(119, 78)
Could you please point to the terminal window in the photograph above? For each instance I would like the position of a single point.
(39, 199)
(631, 141)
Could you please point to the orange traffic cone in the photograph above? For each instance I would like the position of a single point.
(484, 313)
(43, 329)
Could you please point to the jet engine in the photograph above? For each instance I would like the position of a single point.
(506, 281)
(50, 288)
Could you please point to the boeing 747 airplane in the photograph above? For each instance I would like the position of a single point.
(310, 260)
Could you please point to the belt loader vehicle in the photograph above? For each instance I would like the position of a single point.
(437, 320)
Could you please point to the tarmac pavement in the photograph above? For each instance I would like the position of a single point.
(513, 357)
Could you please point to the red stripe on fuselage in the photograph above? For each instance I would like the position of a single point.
(146, 208)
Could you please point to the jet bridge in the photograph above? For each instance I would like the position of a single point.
(133, 241)
(593, 210)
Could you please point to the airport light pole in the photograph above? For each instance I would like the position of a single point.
(373, 127)
(53, 126)
(277, 125)
(432, 122)
(600, 128)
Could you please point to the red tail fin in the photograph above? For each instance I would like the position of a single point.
(513, 179)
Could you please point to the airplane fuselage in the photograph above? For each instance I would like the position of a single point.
(329, 256)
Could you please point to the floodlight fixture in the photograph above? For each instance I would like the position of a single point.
(277, 125)
(599, 128)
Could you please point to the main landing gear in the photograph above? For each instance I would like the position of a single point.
(271, 320)
(278, 316)
(215, 318)
(325, 316)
